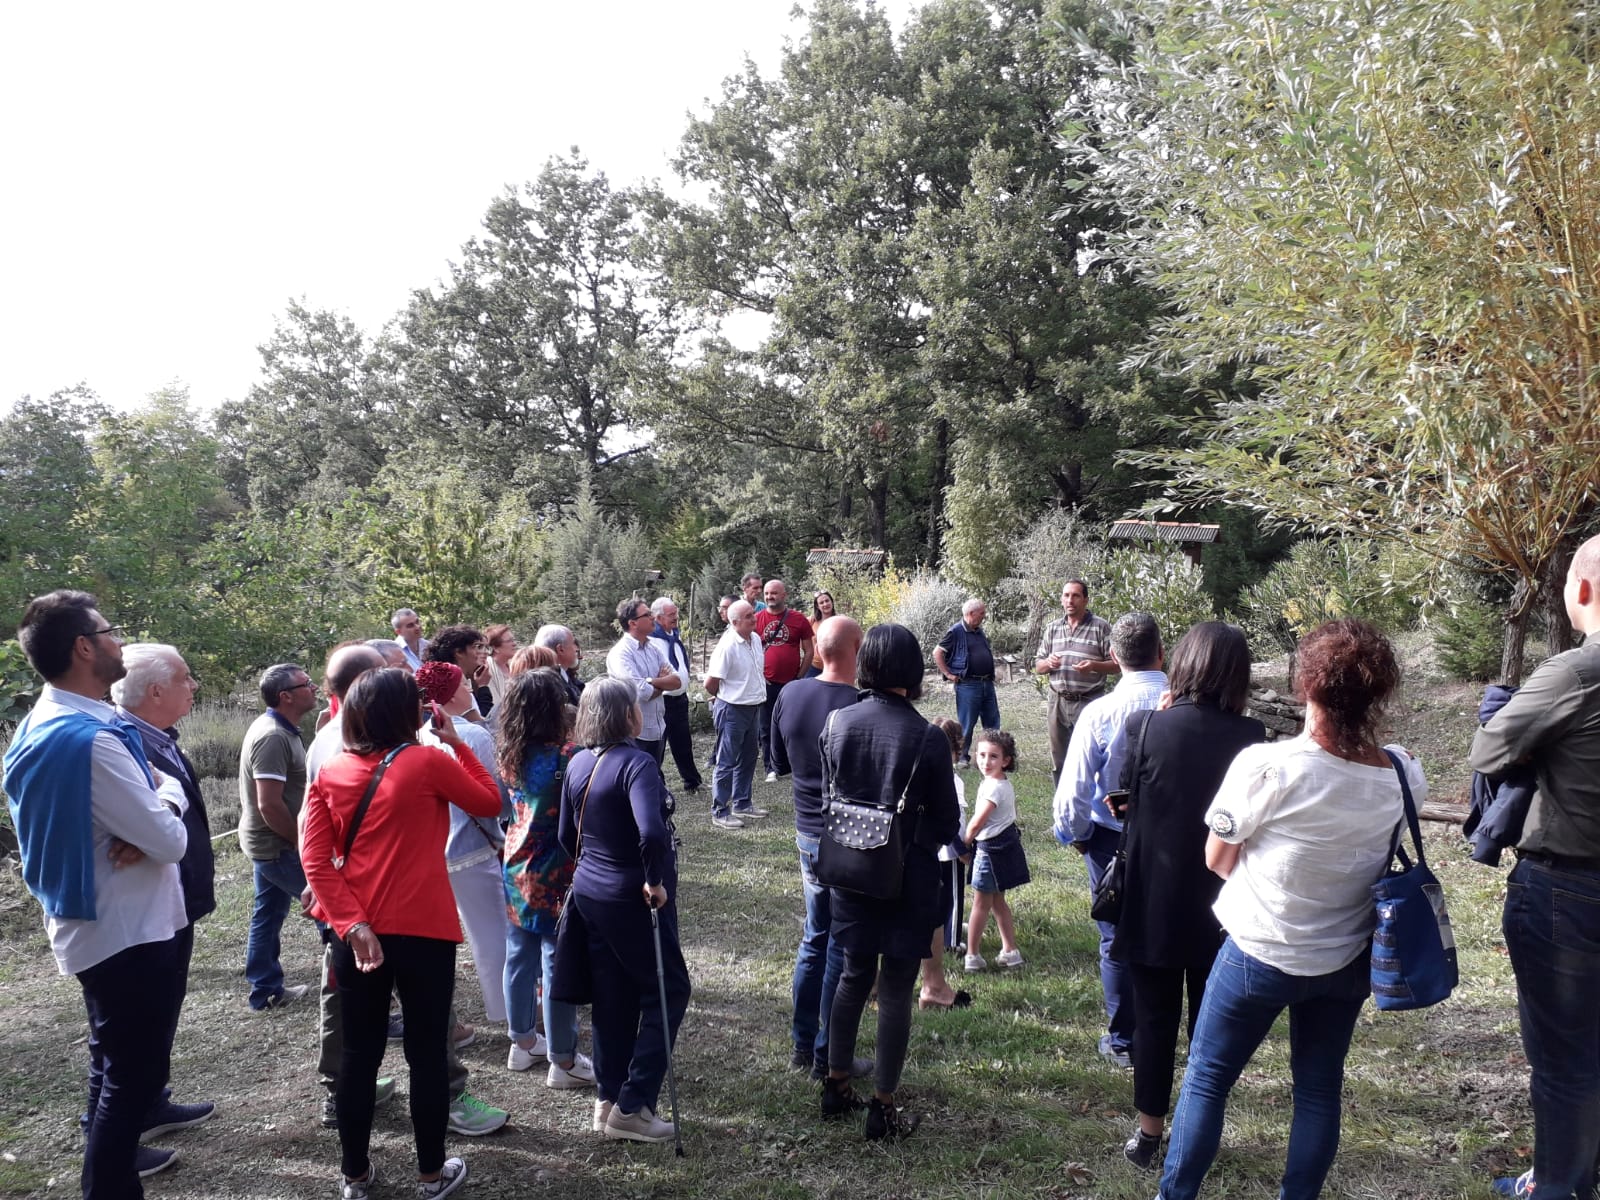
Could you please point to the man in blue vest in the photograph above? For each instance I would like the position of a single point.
(157, 692)
(100, 843)
(964, 658)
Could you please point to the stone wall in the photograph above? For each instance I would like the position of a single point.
(1282, 716)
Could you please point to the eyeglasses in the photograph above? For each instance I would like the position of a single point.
(297, 686)
(115, 631)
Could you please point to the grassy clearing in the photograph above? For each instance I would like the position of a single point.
(1017, 1103)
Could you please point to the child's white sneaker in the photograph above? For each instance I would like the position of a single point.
(1010, 959)
(975, 963)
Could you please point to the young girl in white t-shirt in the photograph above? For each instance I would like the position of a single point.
(999, 863)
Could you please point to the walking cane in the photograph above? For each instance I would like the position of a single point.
(666, 1030)
(958, 874)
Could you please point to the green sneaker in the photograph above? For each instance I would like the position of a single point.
(474, 1118)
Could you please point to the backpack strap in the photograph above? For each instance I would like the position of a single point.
(366, 802)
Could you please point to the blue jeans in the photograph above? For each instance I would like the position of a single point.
(1243, 998)
(530, 957)
(736, 754)
(1115, 982)
(1552, 929)
(818, 963)
(975, 701)
(278, 881)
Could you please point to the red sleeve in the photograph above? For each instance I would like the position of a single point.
(466, 784)
(334, 902)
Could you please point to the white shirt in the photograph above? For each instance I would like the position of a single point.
(740, 665)
(1004, 815)
(638, 665)
(139, 903)
(472, 840)
(961, 805)
(328, 742)
(1315, 833)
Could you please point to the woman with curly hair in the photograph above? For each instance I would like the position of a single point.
(532, 753)
(1300, 830)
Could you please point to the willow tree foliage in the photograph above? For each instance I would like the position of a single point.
(1386, 215)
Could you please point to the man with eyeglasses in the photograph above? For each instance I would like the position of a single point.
(637, 660)
(272, 787)
(100, 836)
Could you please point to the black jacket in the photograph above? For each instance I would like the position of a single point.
(879, 742)
(197, 868)
(1166, 912)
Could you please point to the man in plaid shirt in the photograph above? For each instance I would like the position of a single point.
(1076, 655)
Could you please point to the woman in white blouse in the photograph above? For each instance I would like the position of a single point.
(1300, 830)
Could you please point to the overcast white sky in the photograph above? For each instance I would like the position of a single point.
(176, 172)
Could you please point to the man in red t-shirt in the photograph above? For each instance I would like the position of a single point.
(786, 634)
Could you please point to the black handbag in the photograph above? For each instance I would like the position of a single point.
(863, 845)
(1105, 904)
(572, 980)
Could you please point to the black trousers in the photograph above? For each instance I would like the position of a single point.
(631, 1045)
(423, 972)
(764, 724)
(1157, 1007)
(681, 741)
(896, 980)
(132, 999)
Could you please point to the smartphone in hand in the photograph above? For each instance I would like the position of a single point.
(440, 721)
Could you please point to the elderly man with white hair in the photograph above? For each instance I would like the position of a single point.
(675, 701)
(737, 684)
(964, 658)
(564, 644)
(156, 693)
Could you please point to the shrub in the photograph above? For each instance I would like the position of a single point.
(1325, 579)
(1162, 582)
(928, 605)
(1467, 640)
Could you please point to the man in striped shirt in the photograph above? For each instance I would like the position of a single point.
(1076, 655)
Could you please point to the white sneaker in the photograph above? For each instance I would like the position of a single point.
(579, 1075)
(521, 1060)
(642, 1126)
(1009, 958)
(602, 1110)
(451, 1176)
(975, 963)
(772, 777)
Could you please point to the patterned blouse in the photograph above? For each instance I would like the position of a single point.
(537, 870)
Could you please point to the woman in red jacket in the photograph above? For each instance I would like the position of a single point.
(383, 888)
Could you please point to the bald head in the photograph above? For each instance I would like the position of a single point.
(1582, 592)
(839, 642)
(349, 663)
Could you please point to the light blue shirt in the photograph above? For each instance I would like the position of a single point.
(1093, 765)
(638, 665)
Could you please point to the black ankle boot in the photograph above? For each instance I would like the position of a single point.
(839, 1099)
(1141, 1149)
(886, 1123)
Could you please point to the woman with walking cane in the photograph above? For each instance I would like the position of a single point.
(622, 916)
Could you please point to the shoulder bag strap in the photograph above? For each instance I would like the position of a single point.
(1410, 818)
(583, 805)
(366, 802)
(828, 759)
(906, 791)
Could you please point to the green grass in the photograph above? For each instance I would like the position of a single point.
(1017, 1102)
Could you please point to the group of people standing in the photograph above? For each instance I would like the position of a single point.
(471, 774)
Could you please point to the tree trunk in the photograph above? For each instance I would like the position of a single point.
(1515, 637)
(847, 505)
(878, 502)
(1552, 580)
(936, 489)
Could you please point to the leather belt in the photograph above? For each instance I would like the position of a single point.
(976, 679)
(1561, 862)
(1080, 696)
